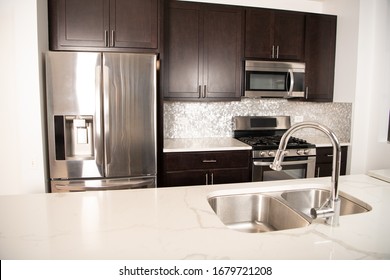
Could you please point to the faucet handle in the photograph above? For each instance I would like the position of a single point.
(321, 213)
(328, 212)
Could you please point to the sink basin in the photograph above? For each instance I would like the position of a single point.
(255, 213)
(304, 200)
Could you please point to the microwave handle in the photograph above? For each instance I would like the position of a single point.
(291, 75)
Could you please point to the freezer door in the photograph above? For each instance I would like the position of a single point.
(129, 114)
(74, 118)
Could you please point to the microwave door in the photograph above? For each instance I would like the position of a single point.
(266, 83)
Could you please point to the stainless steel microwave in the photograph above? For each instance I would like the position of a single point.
(274, 79)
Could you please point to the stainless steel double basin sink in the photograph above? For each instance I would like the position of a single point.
(273, 211)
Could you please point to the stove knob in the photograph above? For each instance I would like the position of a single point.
(263, 154)
(307, 152)
(300, 152)
(271, 153)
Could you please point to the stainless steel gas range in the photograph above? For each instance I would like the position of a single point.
(263, 133)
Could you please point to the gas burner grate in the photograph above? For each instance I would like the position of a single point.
(273, 141)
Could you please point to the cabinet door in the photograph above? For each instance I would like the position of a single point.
(289, 35)
(227, 176)
(222, 52)
(133, 24)
(186, 178)
(259, 33)
(273, 34)
(183, 51)
(320, 49)
(75, 23)
(324, 160)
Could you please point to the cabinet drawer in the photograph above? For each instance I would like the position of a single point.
(209, 160)
(325, 154)
(206, 177)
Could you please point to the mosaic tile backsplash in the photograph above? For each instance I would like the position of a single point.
(214, 119)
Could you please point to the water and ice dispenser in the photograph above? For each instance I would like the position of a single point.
(74, 137)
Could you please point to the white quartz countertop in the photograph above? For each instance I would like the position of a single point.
(172, 145)
(178, 223)
(382, 174)
(203, 144)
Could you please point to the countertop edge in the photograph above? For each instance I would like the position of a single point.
(382, 174)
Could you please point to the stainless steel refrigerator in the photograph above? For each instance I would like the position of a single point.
(101, 119)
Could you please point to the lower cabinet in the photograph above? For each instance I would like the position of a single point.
(324, 161)
(206, 168)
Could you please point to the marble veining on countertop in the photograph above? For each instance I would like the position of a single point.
(178, 223)
(203, 144)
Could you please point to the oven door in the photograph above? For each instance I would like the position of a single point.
(292, 168)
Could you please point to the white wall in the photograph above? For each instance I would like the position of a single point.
(372, 101)
(347, 12)
(21, 144)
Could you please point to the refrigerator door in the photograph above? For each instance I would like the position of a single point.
(129, 114)
(73, 89)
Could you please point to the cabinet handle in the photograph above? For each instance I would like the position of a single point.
(318, 171)
(212, 178)
(329, 155)
(112, 38)
(200, 91)
(106, 38)
(204, 91)
(307, 93)
(277, 51)
(207, 179)
(209, 161)
(273, 52)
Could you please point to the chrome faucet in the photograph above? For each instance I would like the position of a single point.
(331, 209)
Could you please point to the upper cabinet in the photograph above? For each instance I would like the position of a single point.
(103, 24)
(320, 51)
(203, 52)
(274, 34)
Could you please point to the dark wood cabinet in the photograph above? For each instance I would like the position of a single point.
(203, 52)
(103, 24)
(206, 168)
(274, 34)
(320, 52)
(324, 160)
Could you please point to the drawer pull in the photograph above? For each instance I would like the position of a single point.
(329, 155)
(209, 161)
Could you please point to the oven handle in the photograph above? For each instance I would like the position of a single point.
(263, 163)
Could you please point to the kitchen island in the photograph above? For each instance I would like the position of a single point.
(178, 223)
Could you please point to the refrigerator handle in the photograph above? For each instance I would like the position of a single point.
(98, 122)
(106, 115)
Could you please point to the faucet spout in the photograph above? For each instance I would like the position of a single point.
(331, 212)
